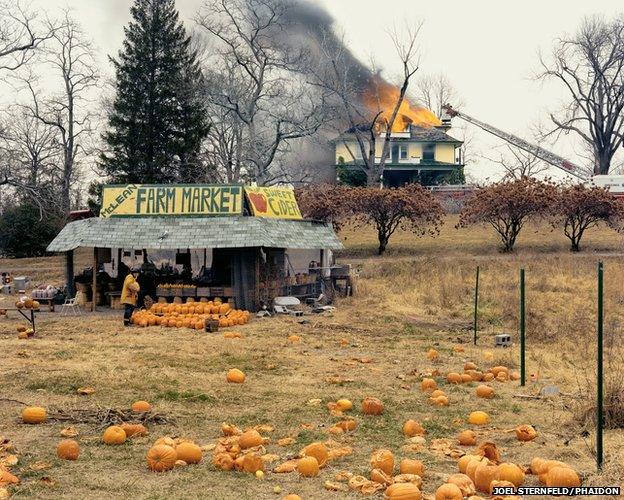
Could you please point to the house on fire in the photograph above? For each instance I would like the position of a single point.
(424, 154)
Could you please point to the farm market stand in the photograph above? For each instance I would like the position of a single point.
(242, 245)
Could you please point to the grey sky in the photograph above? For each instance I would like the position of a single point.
(488, 48)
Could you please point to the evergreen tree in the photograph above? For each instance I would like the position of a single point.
(157, 121)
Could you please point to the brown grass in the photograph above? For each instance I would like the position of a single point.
(417, 297)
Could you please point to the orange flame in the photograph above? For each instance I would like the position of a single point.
(382, 96)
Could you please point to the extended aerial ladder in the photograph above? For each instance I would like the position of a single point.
(537, 151)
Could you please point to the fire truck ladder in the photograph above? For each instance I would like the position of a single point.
(541, 153)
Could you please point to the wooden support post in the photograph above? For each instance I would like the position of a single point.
(476, 308)
(69, 273)
(522, 331)
(599, 370)
(119, 253)
(94, 282)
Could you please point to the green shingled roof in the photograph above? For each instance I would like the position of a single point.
(194, 232)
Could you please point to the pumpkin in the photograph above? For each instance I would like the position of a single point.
(488, 377)
(525, 433)
(134, 429)
(437, 393)
(514, 375)
(475, 375)
(545, 469)
(432, 354)
(161, 458)
(471, 468)
(467, 438)
(403, 491)
(223, 461)
(562, 477)
(428, 384)
(308, 467)
(250, 439)
(379, 476)
(292, 496)
(439, 401)
(347, 425)
(318, 451)
(21, 329)
(384, 460)
(463, 482)
(166, 440)
(68, 449)
(462, 463)
(500, 484)
(453, 378)
(189, 452)
(34, 415)
(485, 391)
(511, 472)
(502, 376)
(469, 366)
(412, 466)
(252, 463)
(344, 404)
(465, 378)
(22, 335)
(412, 428)
(235, 376)
(478, 418)
(141, 406)
(449, 491)
(19, 304)
(7, 478)
(372, 406)
(114, 435)
(484, 475)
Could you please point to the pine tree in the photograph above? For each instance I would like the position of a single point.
(157, 122)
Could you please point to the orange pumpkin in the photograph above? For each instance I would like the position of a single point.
(484, 475)
(318, 451)
(511, 472)
(449, 491)
(189, 452)
(379, 476)
(412, 466)
(141, 406)
(308, 467)
(34, 415)
(428, 384)
(235, 376)
(161, 458)
(485, 391)
(252, 463)
(372, 406)
(471, 468)
(478, 418)
(384, 460)
(134, 429)
(470, 366)
(403, 491)
(114, 435)
(347, 425)
(525, 433)
(453, 378)
(250, 439)
(412, 428)
(467, 438)
(562, 477)
(68, 449)
(463, 462)
(223, 461)
(463, 482)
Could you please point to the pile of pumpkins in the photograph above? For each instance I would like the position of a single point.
(27, 303)
(190, 315)
(24, 333)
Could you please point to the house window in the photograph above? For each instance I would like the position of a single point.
(403, 153)
(429, 152)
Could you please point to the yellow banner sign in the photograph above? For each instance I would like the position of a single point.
(277, 203)
(177, 200)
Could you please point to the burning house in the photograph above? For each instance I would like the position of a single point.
(419, 147)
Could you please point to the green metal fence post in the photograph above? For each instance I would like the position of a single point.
(522, 331)
(599, 382)
(476, 305)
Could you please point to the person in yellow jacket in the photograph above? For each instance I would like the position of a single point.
(130, 294)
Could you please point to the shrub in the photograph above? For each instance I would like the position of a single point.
(25, 231)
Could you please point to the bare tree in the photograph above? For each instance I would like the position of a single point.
(590, 67)
(436, 90)
(363, 103)
(518, 164)
(68, 112)
(267, 102)
(21, 32)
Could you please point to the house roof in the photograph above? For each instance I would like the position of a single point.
(419, 134)
(164, 233)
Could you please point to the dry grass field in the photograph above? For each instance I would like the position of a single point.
(417, 297)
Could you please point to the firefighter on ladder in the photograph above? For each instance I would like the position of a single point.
(130, 294)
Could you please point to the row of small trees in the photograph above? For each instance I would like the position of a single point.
(505, 206)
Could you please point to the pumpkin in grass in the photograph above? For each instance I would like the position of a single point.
(372, 406)
(432, 354)
(68, 449)
(250, 439)
(478, 418)
(437, 393)
(403, 491)
(384, 460)
(166, 440)
(439, 401)
(134, 429)
(453, 378)
(7, 478)
(235, 376)
(428, 384)
(308, 467)
(291, 496)
(467, 438)
(484, 475)
(344, 404)
(189, 452)
(547, 466)
(114, 435)
(488, 377)
(465, 378)
(379, 476)
(502, 377)
(252, 463)
(471, 468)
(223, 461)
(485, 391)
(511, 472)
(462, 463)
(347, 425)
(161, 458)
(34, 415)
(412, 466)
(317, 450)
(463, 482)
(470, 366)
(141, 406)
(412, 428)
(562, 477)
(449, 491)
(525, 433)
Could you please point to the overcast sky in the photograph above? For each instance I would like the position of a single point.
(488, 48)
